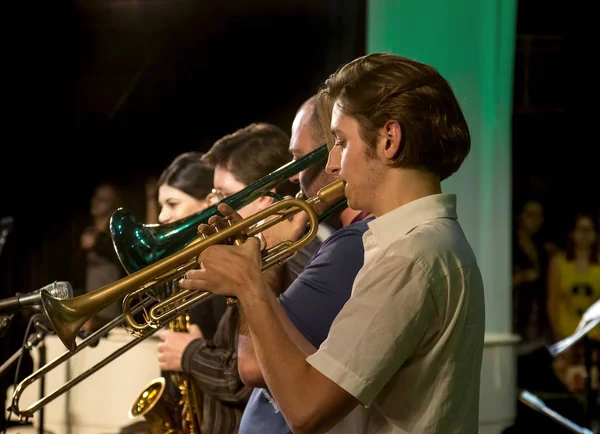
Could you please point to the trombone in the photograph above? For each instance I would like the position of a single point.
(67, 316)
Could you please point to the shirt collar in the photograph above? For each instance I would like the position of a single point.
(400, 221)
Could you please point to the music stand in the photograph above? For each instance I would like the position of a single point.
(589, 320)
(537, 404)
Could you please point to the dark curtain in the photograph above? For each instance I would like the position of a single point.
(115, 90)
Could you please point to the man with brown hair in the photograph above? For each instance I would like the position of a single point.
(246, 155)
(408, 344)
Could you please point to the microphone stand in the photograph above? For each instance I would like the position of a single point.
(5, 322)
(34, 339)
(590, 406)
(42, 353)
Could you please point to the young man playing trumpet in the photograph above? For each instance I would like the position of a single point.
(408, 344)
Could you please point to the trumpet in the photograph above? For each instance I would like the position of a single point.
(68, 316)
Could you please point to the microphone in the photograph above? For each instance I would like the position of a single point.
(60, 290)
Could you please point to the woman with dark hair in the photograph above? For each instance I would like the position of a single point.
(185, 188)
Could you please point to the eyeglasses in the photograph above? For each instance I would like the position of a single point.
(218, 194)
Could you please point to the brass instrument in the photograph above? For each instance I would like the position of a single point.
(67, 316)
(164, 413)
(159, 409)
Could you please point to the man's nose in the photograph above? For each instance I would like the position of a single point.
(333, 162)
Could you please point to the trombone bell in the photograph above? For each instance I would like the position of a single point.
(66, 318)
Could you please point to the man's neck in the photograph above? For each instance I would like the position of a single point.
(348, 215)
(402, 186)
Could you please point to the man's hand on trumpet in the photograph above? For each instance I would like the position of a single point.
(228, 270)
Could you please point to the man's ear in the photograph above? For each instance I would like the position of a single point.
(392, 139)
(212, 199)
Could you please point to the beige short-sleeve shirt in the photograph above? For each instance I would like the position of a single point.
(408, 344)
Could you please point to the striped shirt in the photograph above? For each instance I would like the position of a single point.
(213, 365)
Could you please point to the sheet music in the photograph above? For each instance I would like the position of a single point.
(589, 320)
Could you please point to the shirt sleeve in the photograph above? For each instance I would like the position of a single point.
(314, 299)
(390, 312)
(214, 367)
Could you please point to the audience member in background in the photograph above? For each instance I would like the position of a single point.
(573, 286)
(531, 253)
(239, 159)
(530, 265)
(95, 262)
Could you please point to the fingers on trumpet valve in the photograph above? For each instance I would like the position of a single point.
(261, 239)
(214, 225)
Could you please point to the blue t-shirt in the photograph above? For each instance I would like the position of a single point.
(312, 302)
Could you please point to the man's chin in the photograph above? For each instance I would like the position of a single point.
(351, 199)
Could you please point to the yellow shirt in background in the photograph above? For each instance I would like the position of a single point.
(576, 293)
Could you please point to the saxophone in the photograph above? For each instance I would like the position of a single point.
(166, 414)
(190, 402)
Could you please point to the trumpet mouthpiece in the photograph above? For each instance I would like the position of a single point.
(333, 192)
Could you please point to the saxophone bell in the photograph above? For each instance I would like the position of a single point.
(158, 408)
(163, 412)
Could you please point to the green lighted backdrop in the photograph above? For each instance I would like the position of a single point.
(471, 42)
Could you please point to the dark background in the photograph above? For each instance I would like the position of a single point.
(98, 90)
(113, 90)
(555, 111)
